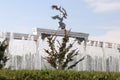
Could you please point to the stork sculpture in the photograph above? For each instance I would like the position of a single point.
(63, 15)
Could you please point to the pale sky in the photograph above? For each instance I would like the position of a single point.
(99, 18)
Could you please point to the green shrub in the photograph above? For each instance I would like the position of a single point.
(57, 75)
(3, 57)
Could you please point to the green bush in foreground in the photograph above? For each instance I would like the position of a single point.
(57, 75)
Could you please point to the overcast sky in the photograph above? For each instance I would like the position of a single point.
(99, 18)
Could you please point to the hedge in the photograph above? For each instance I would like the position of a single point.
(57, 75)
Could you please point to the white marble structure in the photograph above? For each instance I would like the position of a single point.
(27, 51)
